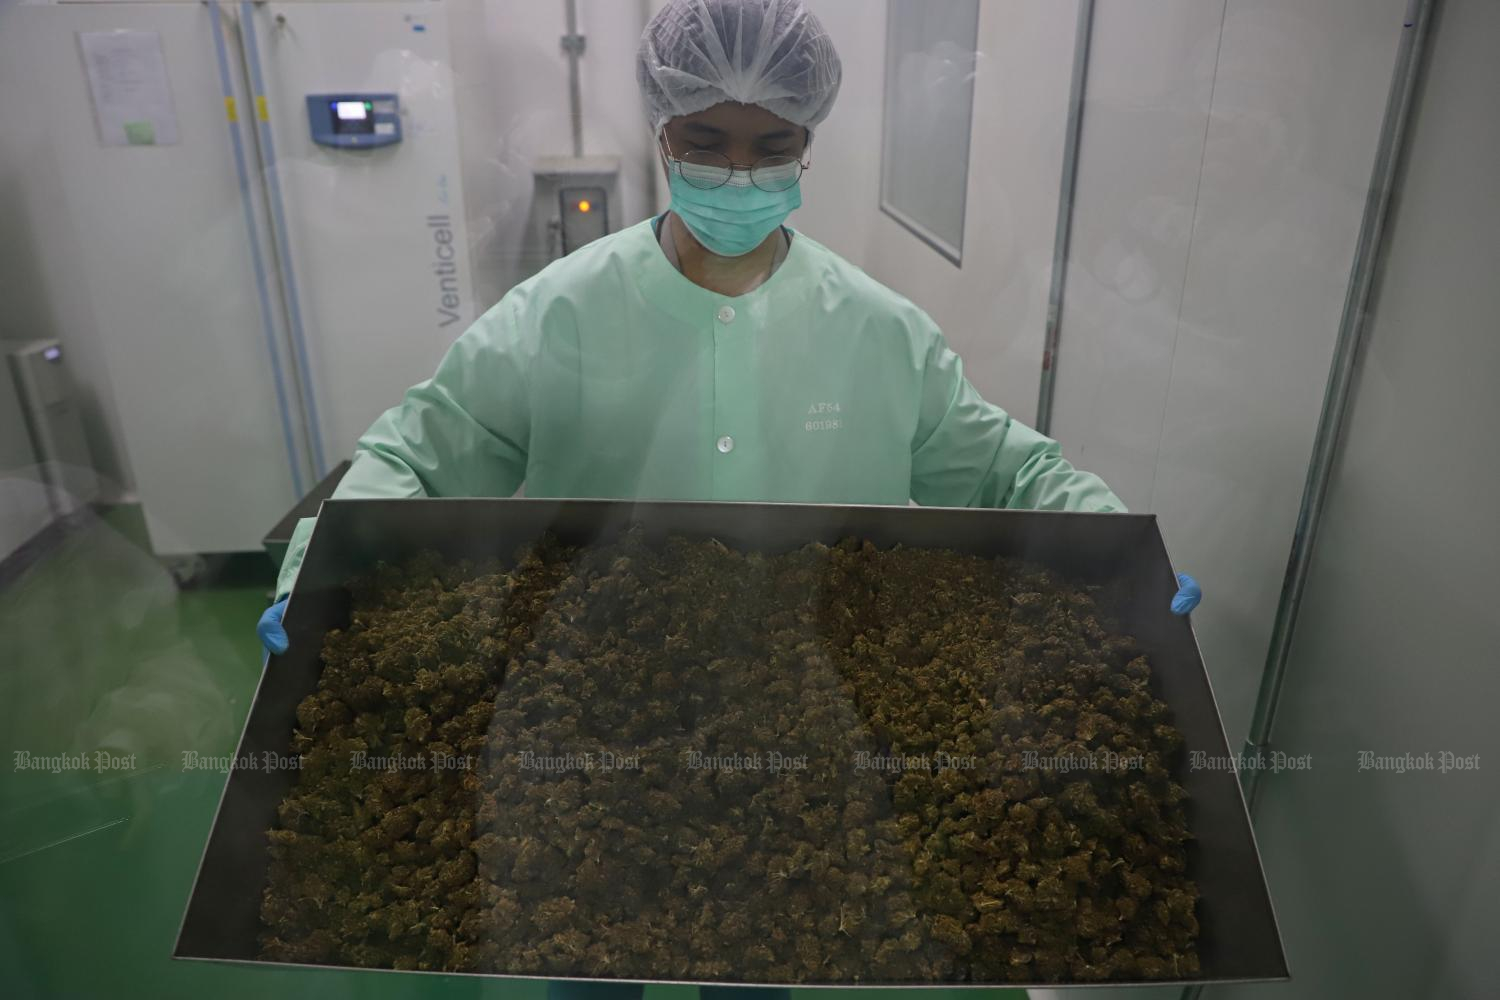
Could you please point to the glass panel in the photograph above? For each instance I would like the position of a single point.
(929, 99)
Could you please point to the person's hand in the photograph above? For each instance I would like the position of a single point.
(1187, 598)
(272, 635)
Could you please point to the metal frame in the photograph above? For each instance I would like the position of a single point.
(1063, 235)
(574, 44)
(1410, 65)
(1240, 939)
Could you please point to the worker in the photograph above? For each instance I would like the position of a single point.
(712, 352)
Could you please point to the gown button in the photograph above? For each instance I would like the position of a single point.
(726, 314)
(726, 444)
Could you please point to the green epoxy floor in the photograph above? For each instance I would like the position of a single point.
(101, 650)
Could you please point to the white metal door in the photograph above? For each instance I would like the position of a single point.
(377, 237)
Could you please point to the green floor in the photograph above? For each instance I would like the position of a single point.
(100, 649)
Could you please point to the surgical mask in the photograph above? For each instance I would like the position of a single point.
(734, 218)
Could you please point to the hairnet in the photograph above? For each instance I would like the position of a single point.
(770, 53)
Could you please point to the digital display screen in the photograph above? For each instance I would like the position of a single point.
(352, 117)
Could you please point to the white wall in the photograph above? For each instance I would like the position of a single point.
(1386, 884)
(993, 308)
(1225, 156)
(513, 107)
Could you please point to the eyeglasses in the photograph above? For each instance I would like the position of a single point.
(706, 169)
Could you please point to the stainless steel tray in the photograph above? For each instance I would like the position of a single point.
(1239, 938)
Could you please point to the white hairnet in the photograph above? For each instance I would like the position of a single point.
(770, 53)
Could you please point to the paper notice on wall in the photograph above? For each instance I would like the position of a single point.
(128, 78)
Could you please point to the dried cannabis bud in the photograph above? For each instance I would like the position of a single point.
(686, 762)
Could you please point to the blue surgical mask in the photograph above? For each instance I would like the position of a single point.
(734, 218)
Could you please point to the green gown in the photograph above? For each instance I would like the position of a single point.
(609, 374)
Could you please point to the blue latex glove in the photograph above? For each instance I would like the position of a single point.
(1188, 596)
(272, 635)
